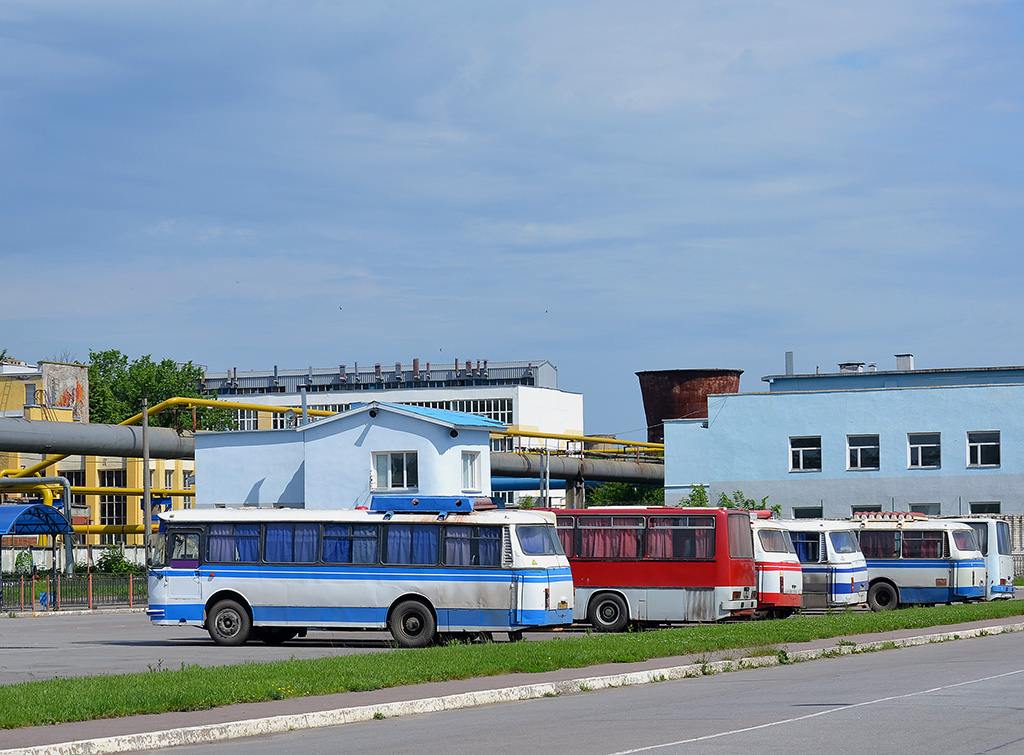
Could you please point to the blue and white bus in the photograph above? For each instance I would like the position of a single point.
(996, 546)
(915, 560)
(420, 567)
(835, 574)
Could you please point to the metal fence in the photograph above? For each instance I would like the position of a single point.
(58, 592)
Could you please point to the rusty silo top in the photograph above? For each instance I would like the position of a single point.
(681, 394)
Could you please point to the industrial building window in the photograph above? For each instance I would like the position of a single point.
(865, 508)
(807, 512)
(863, 451)
(924, 451)
(77, 479)
(245, 419)
(986, 507)
(113, 508)
(805, 454)
(928, 509)
(983, 449)
(395, 470)
(471, 470)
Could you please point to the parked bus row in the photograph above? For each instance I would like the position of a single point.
(430, 567)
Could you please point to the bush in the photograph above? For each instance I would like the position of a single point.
(112, 560)
(23, 563)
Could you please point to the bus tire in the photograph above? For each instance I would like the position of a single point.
(412, 624)
(608, 613)
(883, 597)
(229, 623)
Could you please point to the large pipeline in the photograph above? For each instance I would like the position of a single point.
(570, 468)
(43, 437)
(40, 436)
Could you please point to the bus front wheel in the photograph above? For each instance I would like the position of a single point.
(229, 623)
(412, 624)
(608, 613)
(883, 597)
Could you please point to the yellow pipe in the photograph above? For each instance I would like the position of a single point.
(582, 439)
(131, 491)
(111, 529)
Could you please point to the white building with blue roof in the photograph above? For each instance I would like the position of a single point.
(341, 461)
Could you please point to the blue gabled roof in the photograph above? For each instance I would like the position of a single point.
(32, 519)
(462, 419)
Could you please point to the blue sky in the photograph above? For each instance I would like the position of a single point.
(613, 187)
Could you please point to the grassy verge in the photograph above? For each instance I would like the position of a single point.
(195, 688)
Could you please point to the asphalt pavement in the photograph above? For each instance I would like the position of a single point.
(250, 719)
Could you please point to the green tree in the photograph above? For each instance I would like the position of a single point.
(625, 494)
(116, 388)
(698, 497)
(740, 501)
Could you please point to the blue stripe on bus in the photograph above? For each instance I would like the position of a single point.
(430, 574)
(938, 594)
(1003, 588)
(911, 563)
(447, 618)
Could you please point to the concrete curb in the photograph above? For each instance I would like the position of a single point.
(276, 724)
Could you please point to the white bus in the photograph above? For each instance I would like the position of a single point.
(995, 544)
(915, 560)
(779, 577)
(835, 572)
(421, 567)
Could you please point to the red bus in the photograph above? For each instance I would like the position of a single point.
(658, 565)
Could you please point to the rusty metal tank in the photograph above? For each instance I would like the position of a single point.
(681, 394)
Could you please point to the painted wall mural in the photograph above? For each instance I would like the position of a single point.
(67, 386)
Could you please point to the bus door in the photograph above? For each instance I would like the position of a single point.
(516, 612)
(965, 580)
(183, 580)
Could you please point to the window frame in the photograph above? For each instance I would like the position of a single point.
(801, 452)
(390, 457)
(976, 449)
(919, 447)
(471, 472)
(860, 449)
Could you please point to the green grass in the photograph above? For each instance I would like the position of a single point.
(196, 688)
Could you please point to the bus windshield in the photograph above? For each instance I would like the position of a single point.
(539, 540)
(843, 542)
(965, 540)
(775, 541)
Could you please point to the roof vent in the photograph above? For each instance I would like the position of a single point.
(851, 367)
(905, 362)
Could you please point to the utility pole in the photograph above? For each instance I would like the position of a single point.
(147, 493)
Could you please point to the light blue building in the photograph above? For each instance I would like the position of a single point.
(343, 460)
(934, 441)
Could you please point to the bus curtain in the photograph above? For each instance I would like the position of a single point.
(234, 543)
(407, 544)
(291, 543)
(350, 544)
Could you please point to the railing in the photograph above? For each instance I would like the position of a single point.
(77, 591)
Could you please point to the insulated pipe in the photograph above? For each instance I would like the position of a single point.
(570, 468)
(40, 436)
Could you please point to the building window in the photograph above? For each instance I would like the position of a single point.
(866, 508)
(76, 477)
(986, 507)
(983, 449)
(279, 420)
(395, 470)
(113, 508)
(863, 451)
(928, 509)
(471, 470)
(924, 451)
(807, 512)
(246, 419)
(805, 454)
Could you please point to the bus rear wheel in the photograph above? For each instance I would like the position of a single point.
(883, 597)
(412, 624)
(608, 613)
(229, 623)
